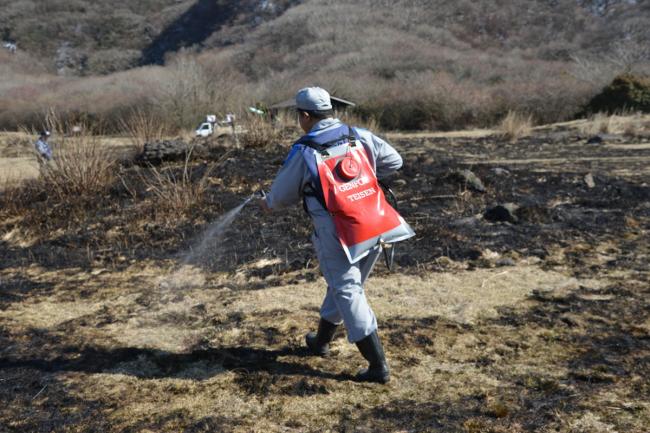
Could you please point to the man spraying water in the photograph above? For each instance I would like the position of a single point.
(335, 169)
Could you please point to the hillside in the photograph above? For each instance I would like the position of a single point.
(84, 37)
(410, 64)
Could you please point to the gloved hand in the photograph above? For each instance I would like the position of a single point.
(263, 204)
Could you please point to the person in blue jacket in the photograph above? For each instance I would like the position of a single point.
(43, 148)
(345, 301)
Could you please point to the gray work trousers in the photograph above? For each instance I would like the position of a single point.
(345, 300)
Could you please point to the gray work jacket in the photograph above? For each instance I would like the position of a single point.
(289, 184)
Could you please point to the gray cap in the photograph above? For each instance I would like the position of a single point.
(313, 99)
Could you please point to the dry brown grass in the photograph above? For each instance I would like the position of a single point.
(588, 422)
(17, 169)
(11, 197)
(635, 126)
(369, 123)
(515, 126)
(599, 123)
(626, 123)
(285, 118)
(212, 347)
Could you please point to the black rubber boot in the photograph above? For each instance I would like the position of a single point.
(377, 371)
(319, 342)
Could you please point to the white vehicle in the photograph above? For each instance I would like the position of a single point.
(212, 127)
(206, 128)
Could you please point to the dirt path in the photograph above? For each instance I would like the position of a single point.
(17, 169)
(555, 161)
(18, 160)
(476, 133)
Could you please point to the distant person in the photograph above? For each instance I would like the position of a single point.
(43, 148)
(334, 169)
(230, 120)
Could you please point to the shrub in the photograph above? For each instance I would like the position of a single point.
(81, 168)
(176, 192)
(112, 60)
(369, 123)
(626, 92)
(143, 125)
(258, 133)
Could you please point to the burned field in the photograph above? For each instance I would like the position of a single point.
(521, 306)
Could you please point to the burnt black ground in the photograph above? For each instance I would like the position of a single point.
(544, 175)
(557, 208)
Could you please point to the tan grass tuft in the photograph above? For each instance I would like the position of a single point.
(633, 125)
(515, 126)
(601, 123)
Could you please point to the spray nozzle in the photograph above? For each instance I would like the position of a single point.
(261, 194)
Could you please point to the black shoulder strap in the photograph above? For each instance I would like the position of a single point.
(352, 137)
(313, 190)
(322, 147)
